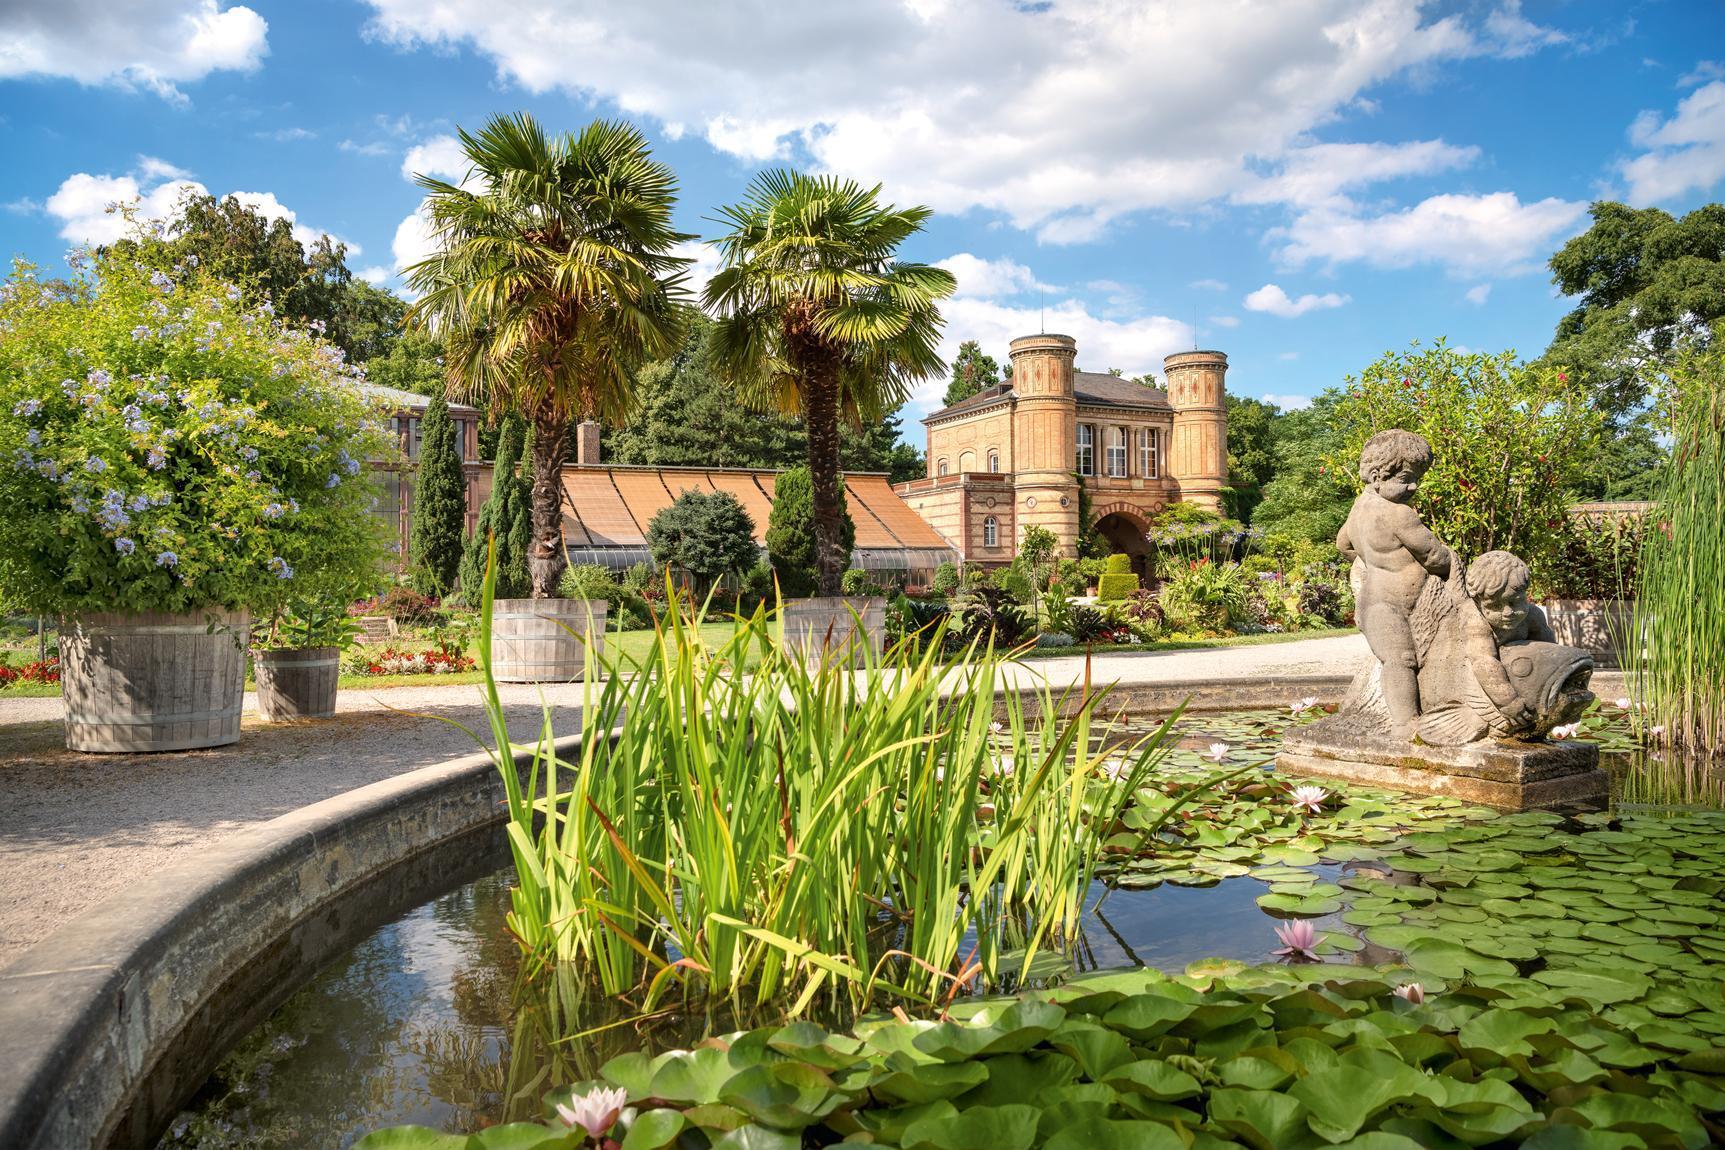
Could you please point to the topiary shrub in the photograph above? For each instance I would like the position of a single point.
(857, 582)
(1114, 586)
(945, 580)
(707, 534)
(1117, 564)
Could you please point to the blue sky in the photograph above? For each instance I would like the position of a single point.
(1311, 181)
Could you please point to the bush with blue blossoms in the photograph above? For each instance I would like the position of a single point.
(164, 447)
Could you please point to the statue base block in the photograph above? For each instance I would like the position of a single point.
(1503, 773)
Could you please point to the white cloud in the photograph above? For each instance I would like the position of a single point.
(1208, 285)
(150, 44)
(1684, 153)
(1513, 35)
(1478, 294)
(1469, 235)
(440, 156)
(1064, 131)
(287, 135)
(1287, 402)
(986, 279)
(413, 238)
(1703, 71)
(81, 203)
(1224, 320)
(706, 262)
(1288, 356)
(372, 149)
(376, 274)
(1271, 298)
(1320, 173)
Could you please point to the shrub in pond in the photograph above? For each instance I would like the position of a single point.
(805, 831)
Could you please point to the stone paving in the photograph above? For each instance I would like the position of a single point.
(75, 829)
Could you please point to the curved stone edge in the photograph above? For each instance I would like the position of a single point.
(89, 1013)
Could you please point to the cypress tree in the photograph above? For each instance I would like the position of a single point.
(505, 514)
(791, 532)
(439, 505)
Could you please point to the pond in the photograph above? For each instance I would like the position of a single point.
(422, 1022)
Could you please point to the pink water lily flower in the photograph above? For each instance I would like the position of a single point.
(1312, 798)
(1624, 704)
(1567, 730)
(1412, 993)
(1301, 706)
(1299, 939)
(1217, 753)
(596, 1111)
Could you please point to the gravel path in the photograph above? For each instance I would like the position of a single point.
(76, 828)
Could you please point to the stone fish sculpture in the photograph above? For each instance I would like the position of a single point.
(1458, 655)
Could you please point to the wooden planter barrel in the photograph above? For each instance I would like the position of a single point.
(153, 681)
(296, 682)
(531, 640)
(840, 625)
(1600, 626)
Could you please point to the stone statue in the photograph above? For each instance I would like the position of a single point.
(1459, 656)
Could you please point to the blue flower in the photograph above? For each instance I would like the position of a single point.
(48, 469)
(33, 437)
(274, 511)
(27, 407)
(96, 464)
(248, 453)
(253, 477)
(156, 460)
(137, 503)
(124, 546)
(233, 292)
(280, 567)
(167, 559)
(162, 282)
(98, 378)
(334, 479)
(140, 332)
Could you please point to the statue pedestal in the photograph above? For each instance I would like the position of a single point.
(1504, 773)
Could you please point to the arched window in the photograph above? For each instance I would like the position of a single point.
(994, 461)
(966, 461)
(991, 532)
(1086, 449)
(1115, 441)
(1150, 453)
(940, 467)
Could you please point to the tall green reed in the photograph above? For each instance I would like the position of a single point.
(811, 830)
(1679, 653)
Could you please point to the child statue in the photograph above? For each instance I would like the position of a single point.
(1397, 554)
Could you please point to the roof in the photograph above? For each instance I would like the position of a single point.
(1099, 389)
(405, 400)
(610, 507)
(1093, 388)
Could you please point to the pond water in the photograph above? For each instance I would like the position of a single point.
(421, 1023)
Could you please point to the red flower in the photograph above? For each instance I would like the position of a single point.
(1561, 378)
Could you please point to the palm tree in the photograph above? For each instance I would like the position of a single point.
(554, 282)
(817, 318)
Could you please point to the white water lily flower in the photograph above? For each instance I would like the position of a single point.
(1412, 993)
(1566, 731)
(1624, 704)
(596, 1111)
(1218, 753)
(1312, 798)
(1655, 732)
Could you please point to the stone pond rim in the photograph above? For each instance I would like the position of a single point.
(111, 1022)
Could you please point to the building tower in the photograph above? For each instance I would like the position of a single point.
(1045, 438)
(1198, 459)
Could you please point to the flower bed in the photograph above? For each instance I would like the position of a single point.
(40, 671)
(396, 661)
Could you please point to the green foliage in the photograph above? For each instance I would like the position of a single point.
(1205, 597)
(1114, 586)
(1305, 499)
(707, 534)
(861, 583)
(439, 514)
(1648, 285)
(972, 371)
(945, 579)
(170, 449)
(1595, 558)
(505, 516)
(1509, 441)
(588, 581)
(1681, 605)
(791, 536)
(309, 624)
(820, 316)
(1251, 453)
(1091, 544)
(556, 281)
(1117, 564)
(778, 889)
(414, 362)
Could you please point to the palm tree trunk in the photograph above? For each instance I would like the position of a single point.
(821, 411)
(545, 557)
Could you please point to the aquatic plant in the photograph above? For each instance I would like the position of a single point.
(1312, 798)
(806, 827)
(1299, 939)
(1679, 660)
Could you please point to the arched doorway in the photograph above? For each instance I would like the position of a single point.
(1123, 528)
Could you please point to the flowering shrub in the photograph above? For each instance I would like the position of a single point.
(403, 604)
(164, 448)
(40, 671)
(443, 660)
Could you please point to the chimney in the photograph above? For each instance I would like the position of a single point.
(587, 443)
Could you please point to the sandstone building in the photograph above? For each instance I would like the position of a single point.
(1015, 454)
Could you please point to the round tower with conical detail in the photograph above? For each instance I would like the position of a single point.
(1045, 436)
(1198, 458)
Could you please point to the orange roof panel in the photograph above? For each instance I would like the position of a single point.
(904, 527)
(742, 485)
